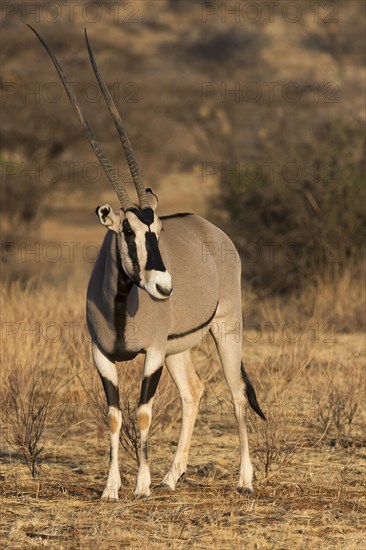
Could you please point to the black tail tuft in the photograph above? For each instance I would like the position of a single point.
(252, 398)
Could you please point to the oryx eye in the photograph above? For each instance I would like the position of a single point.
(127, 231)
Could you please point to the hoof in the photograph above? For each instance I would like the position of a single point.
(142, 493)
(245, 490)
(163, 485)
(140, 496)
(109, 495)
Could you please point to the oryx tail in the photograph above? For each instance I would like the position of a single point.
(252, 398)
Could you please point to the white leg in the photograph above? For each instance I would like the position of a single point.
(229, 347)
(152, 371)
(108, 374)
(190, 388)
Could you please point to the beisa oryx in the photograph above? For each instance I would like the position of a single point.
(153, 272)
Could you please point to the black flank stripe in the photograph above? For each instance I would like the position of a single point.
(111, 392)
(149, 385)
(182, 334)
(179, 215)
(154, 260)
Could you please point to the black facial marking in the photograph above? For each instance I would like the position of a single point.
(129, 236)
(112, 393)
(149, 385)
(154, 260)
(203, 325)
(127, 229)
(145, 216)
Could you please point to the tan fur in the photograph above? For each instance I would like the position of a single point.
(113, 421)
(205, 273)
(200, 281)
(143, 420)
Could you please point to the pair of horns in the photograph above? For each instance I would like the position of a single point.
(106, 165)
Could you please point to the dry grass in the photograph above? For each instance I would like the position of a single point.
(309, 457)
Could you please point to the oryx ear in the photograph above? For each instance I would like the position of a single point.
(153, 199)
(109, 218)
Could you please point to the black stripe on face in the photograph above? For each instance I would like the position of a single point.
(149, 385)
(154, 260)
(112, 393)
(129, 236)
(195, 329)
(145, 216)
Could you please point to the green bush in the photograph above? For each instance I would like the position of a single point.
(291, 232)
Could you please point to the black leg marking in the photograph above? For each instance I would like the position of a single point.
(149, 385)
(145, 450)
(112, 393)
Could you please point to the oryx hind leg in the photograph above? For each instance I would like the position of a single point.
(108, 373)
(227, 333)
(190, 388)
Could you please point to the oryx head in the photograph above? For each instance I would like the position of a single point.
(138, 231)
(137, 227)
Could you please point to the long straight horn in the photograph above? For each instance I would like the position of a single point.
(143, 199)
(107, 167)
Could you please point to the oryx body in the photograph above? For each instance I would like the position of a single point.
(189, 246)
(157, 287)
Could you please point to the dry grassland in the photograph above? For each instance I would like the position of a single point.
(304, 352)
(309, 457)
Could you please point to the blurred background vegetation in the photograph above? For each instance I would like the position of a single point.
(298, 225)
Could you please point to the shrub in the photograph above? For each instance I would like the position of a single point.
(290, 232)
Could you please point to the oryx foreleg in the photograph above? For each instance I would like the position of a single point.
(190, 388)
(108, 374)
(152, 371)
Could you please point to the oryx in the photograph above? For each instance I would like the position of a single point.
(161, 275)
